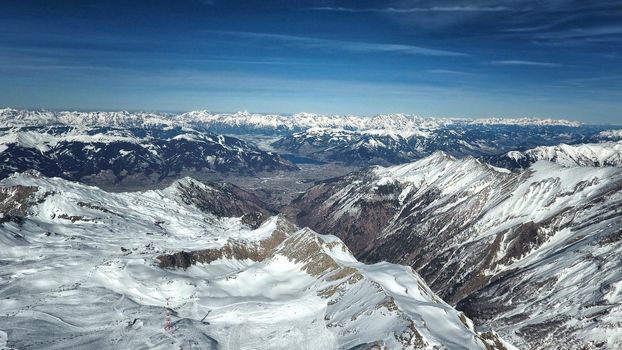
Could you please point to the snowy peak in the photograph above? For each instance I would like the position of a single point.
(442, 171)
(589, 154)
(365, 301)
(527, 122)
(611, 135)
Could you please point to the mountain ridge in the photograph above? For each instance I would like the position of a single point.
(111, 154)
(295, 122)
(479, 235)
(106, 267)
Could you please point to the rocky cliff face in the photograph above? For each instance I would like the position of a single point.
(537, 249)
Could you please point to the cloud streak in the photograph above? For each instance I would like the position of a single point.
(525, 63)
(351, 46)
(414, 9)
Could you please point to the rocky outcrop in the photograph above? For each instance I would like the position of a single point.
(232, 249)
(223, 200)
(14, 202)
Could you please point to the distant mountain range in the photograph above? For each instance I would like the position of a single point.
(83, 153)
(386, 147)
(351, 140)
(242, 122)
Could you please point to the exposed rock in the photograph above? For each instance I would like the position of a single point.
(232, 249)
(223, 200)
(14, 202)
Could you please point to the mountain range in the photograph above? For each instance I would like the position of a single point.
(405, 232)
(534, 254)
(242, 122)
(105, 154)
(351, 140)
(108, 266)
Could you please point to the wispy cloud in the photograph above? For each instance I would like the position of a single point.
(415, 9)
(352, 46)
(580, 33)
(610, 80)
(448, 72)
(525, 63)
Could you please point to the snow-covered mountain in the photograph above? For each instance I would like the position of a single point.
(112, 154)
(84, 268)
(387, 147)
(353, 140)
(243, 122)
(526, 121)
(588, 154)
(398, 122)
(350, 147)
(610, 135)
(535, 254)
(10, 117)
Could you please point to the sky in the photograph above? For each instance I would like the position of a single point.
(515, 58)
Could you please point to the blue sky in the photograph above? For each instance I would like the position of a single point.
(555, 58)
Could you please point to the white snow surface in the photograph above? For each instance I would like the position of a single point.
(81, 272)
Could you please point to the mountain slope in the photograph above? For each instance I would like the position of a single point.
(349, 146)
(82, 267)
(79, 153)
(534, 254)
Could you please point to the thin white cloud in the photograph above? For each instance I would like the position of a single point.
(416, 9)
(525, 63)
(599, 81)
(352, 46)
(580, 33)
(448, 72)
